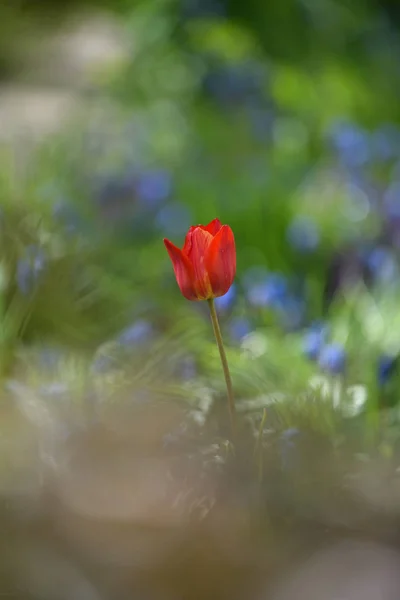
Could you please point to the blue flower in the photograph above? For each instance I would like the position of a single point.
(302, 235)
(174, 219)
(139, 332)
(154, 187)
(270, 292)
(314, 339)
(224, 303)
(386, 368)
(391, 201)
(319, 326)
(382, 264)
(352, 143)
(312, 344)
(292, 311)
(333, 358)
(30, 268)
(239, 328)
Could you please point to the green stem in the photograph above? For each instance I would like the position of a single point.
(224, 361)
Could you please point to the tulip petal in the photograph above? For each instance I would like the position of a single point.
(188, 241)
(183, 270)
(198, 243)
(213, 227)
(220, 261)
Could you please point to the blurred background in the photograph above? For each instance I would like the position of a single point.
(124, 122)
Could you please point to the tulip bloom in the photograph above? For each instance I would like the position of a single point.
(206, 265)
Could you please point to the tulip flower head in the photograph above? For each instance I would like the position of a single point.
(206, 266)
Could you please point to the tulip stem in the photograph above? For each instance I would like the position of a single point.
(225, 366)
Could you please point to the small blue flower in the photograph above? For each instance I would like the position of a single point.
(224, 303)
(271, 292)
(239, 328)
(386, 368)
(382, 264)
(174, 219)
(30, 268)
(139, 332)
(312, 344)
(314, 339)
(352, 143)
(320, 326)
(391, 201)
(292, 312)
(303, 235)
(154, 187)
(333, 358)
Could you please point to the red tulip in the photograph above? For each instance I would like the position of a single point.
(206, 265)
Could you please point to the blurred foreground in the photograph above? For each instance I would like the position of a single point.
(136, 499)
